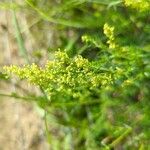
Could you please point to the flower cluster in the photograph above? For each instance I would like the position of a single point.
(109, 32)
(141, 5)
(66, 76)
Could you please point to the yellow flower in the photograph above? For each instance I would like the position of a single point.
(141, 5)
(109, 32)
(61, 75)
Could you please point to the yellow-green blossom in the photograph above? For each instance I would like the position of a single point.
(141, 5)
(109, 32)
(64, 75)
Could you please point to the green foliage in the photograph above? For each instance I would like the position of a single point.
(97, 90)
(76, 86)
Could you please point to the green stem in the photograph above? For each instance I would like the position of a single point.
(70, 104)
(49, 138)
(120, 138)
(16, 96)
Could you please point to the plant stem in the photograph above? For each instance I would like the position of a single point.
(120, 138)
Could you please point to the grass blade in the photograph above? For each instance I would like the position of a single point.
(20, 41)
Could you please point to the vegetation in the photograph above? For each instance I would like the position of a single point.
(96, 86)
